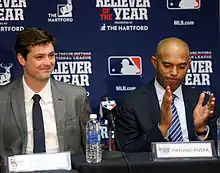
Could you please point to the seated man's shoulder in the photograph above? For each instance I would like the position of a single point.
(6, 90)
(67, 88)
(134, 96)
(191, 90)
(193, 94)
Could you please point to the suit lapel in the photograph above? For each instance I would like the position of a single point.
(189, 113)
(151, 99)
(59, 111)
(18, 108)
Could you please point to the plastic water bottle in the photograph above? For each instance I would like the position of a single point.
(93, 140)
(218, 137)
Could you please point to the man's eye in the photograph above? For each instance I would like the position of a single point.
(39, 57)
(52, 56)
(167, 65)
(182, 66)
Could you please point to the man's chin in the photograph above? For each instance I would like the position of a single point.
(44, 77)
(174, 87)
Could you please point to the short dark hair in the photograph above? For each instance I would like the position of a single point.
(30, 37)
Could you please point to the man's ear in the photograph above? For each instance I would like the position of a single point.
(21, 59)
(153, 61)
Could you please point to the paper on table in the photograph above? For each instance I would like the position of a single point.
(37, 162)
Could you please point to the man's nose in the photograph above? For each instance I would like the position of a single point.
(47, 61)
(174, 71)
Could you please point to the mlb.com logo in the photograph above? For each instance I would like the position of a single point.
(183, 4)
(124, 65)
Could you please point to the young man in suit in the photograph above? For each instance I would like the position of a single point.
(165, 109)
(38, 113)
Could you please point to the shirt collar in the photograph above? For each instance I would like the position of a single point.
(160, 91)
(45, 93)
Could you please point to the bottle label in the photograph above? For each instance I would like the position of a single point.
(93, 138)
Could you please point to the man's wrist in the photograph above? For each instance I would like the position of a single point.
(201, 131)
(203, 135)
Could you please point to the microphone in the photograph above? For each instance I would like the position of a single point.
(108, 111)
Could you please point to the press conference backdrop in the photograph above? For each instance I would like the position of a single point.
(106, 45)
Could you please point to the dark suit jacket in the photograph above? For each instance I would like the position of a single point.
(71, 109)
(139, 115)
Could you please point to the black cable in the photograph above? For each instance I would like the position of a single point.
(123, 154)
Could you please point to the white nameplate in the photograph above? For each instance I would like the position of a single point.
(39, 162)
(183, 150)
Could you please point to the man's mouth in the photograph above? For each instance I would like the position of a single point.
(46, 69)
(172, 80)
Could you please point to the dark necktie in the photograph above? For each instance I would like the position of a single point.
(175, 129)
(38, 126)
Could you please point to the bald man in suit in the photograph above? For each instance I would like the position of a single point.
(146, 115)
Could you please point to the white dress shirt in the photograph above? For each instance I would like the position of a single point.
(180, 106)
(47, 106)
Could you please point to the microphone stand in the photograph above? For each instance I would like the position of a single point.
(110, 139)
(111, 130)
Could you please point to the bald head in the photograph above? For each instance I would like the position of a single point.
(171, 44)
(171, 62)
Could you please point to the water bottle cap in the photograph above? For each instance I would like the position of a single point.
(93, 116)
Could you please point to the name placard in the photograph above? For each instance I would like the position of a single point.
(169, 150)
(39, 162)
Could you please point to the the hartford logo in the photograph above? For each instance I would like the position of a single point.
(64, 13)
(105, 27)
(5, 77)
(65, 10)
(124, 65)
(183, 4)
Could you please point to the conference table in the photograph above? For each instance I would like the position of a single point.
(142, 163)
(55, 171)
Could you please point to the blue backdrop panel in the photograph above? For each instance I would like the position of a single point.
(106, 46)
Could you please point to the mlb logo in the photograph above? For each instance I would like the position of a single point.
(183, 4)
(124, 65)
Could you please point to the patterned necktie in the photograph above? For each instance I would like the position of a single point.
(38, 126)
(175, 129)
